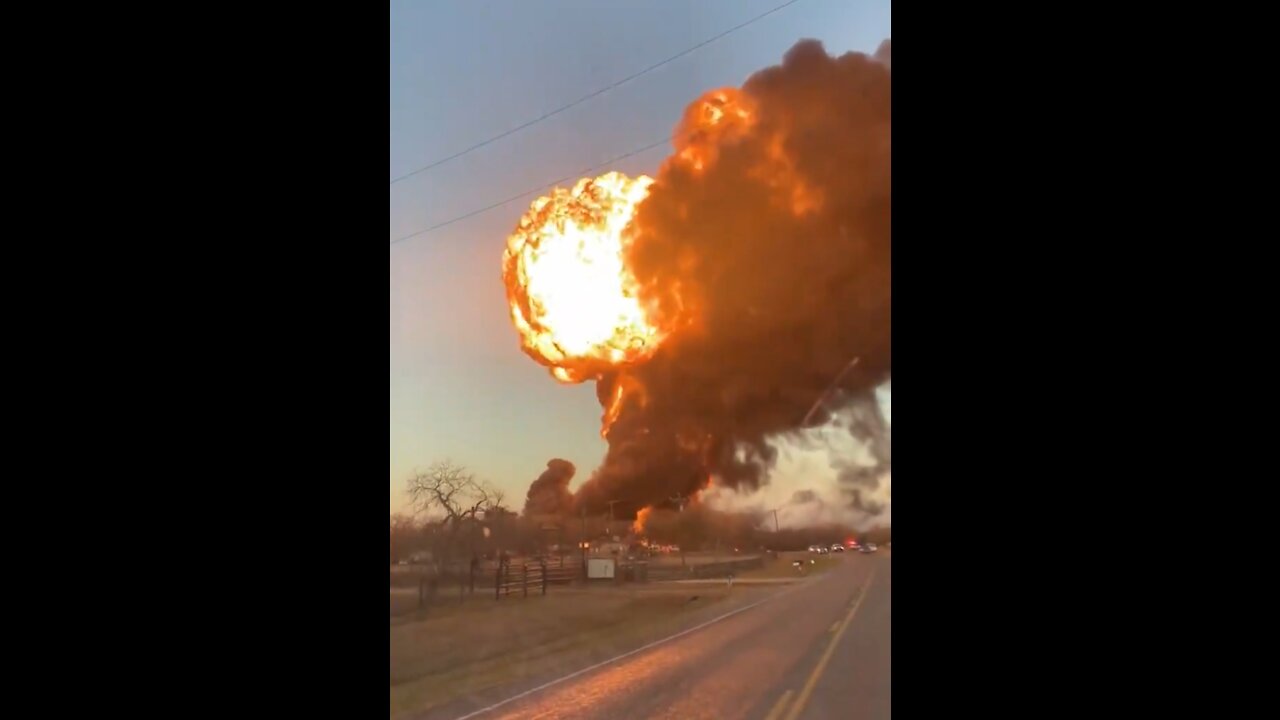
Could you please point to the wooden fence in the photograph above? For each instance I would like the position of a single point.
(520, 576)
(533, 576)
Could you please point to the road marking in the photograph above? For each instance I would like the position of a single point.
(834, 626)
(779, 706)
(803, 699)
(637, 651)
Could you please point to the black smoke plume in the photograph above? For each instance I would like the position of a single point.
(766, 241)
(549, 494)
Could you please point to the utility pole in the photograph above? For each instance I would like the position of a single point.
(584, 543)
(776, 529)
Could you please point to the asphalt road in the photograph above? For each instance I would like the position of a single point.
(813, 651)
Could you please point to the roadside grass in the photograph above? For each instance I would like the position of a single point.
(459, 650)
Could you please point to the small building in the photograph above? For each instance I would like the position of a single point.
(602, 568)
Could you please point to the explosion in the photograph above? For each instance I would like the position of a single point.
(572, 298)
(741, 295)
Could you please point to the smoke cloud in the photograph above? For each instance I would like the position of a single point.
(765, 241)
(549, 494)
(836, 474)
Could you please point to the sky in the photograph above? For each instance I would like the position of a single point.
(463, 72)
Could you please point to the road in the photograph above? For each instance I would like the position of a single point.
(812, 651)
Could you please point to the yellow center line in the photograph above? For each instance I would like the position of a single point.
(779, 706)
(803, 698)
(834, 626)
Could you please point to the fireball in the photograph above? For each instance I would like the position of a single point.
(573, 300)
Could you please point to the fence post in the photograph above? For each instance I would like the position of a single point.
(544, 577)
(525, 579)
(497, 582)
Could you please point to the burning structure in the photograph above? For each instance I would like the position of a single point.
(741, 295)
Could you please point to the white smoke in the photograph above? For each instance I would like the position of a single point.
(805, 485)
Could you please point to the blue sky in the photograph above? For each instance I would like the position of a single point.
(462, 72)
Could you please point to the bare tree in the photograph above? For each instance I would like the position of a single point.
(453, 491)
(492, 503)
(497, 501)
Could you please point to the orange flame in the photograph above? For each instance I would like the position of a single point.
(612, 413)
(573, 300)
(641, 520)
(715, 117)
(696, 497)
(626, 389)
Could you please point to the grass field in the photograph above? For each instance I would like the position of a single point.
(461, 649)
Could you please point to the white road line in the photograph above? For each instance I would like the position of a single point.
(637, 651)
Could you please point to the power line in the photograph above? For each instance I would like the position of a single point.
(513, 198)
(592, 95)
